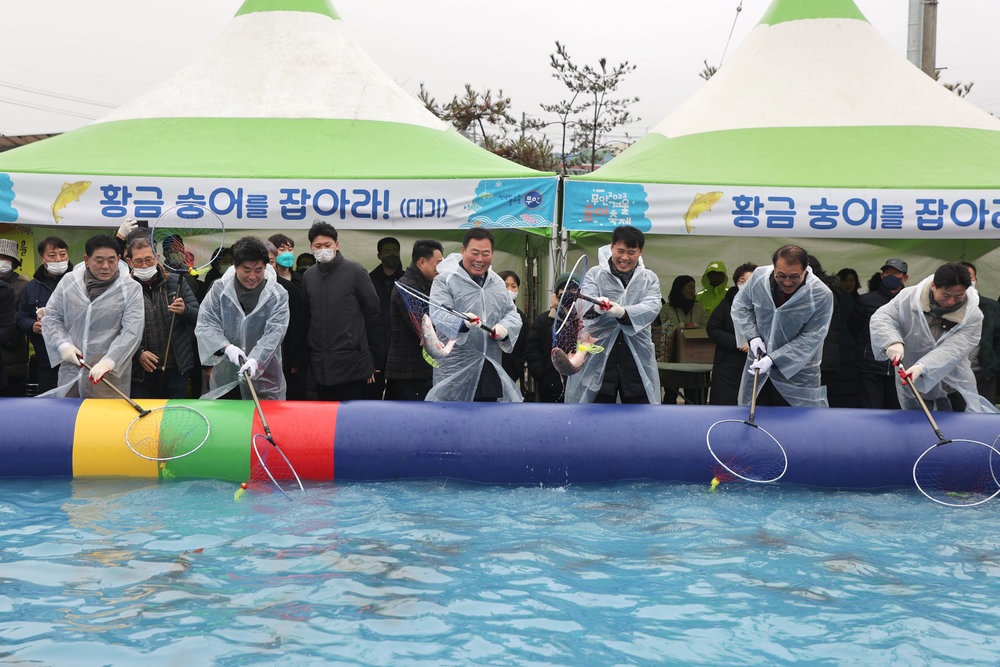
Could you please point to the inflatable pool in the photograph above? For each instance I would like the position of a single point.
(488, 443)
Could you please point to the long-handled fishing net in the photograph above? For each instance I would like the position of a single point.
(165, 433)
(438, 334)
(186, 240)
(570, 342)
(272, 460)
(745, 448)
(954, 472)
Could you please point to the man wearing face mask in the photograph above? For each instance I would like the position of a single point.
(95, 314)
(54, 263)
(171, 312)
(15, 351)
(342, 311)
(930, 330)
(384, 277)
(876, 378)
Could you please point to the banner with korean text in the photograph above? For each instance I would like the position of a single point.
(721, 210)
(104, 201)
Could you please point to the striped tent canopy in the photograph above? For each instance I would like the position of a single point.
(282, 120)
(815, 126)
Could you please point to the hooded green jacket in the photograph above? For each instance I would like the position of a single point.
(710, 297)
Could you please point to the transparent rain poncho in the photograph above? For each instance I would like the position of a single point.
(641, 300)
(793, 334)
(945, 360)
(221, 321)
(457, 374)
(109, 326)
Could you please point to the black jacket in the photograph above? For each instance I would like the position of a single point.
(36, 294)
(538, 354)
(405, 360)
(159, 294)
(342, 309)
(294, 347)
(383, 333)
(729, 361)
(859, 326)
(8, 331)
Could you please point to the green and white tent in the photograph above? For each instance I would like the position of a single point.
(816, 127)
(281, 121)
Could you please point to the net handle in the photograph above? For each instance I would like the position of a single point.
(105, 380)
(256, 402)
(920, 399)
(170, 334)
(753, 398)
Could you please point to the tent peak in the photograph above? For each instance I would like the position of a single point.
(781, 11)
(323, 7)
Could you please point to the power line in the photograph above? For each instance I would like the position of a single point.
(38, 91)
(40, 107)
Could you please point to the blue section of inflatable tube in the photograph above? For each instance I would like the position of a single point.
(560, 444)
(36, 436)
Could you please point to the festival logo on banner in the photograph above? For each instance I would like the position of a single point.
(7, 211)
(501, 203)
(604, 206)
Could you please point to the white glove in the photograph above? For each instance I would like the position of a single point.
(915, 371)
(895, 352)
(473, 319)
(763, 365)
(98, 370)
(614, 310)
(251, 366)
(235, 354)
(127, 228)
(70, 352)
(499, 332)
(757, 347)
(40, 312)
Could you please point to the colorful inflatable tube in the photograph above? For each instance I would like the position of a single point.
(488, 443)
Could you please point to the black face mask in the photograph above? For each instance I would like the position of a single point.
(391, 262)
(892, 283)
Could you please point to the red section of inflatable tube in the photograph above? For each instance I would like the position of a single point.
(305, 432)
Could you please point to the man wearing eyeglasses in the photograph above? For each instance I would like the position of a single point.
(783, 312)
(930, 330)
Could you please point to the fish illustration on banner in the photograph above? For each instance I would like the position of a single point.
(701, 203)
(70, 192)
(7, 211)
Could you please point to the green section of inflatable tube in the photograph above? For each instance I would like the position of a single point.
(226, 453)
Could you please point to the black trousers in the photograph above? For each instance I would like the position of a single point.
(770, 396)
(878, 391)
(346, 391)
(407, 390)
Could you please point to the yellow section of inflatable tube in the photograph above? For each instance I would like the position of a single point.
(99, 446)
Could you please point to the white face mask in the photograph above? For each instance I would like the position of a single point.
(513, 295)
(6, 266)
(57, 268)
(973, 283)
(145, 273)
(324, 254)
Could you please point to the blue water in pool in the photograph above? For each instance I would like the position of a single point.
(449, 573)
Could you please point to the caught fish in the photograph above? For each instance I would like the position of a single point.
(432, 344)
(701, 203)
(70, 192)
(570, 364)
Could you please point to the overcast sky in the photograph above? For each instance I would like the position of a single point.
(109, 51)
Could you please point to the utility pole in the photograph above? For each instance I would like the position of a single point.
(921, 41)
(928, 55)
(921, 35)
